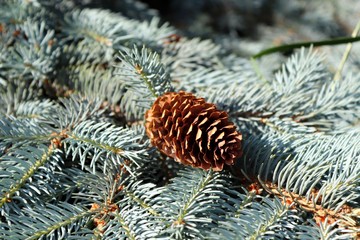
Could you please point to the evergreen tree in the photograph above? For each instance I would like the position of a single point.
(76, 163)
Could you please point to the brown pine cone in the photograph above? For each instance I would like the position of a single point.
(192, 131)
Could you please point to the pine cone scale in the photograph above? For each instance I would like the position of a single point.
(192, 131)
(198, 134)
(220, 137)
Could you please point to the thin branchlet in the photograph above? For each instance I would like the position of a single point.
(58, 225)
(6, 197)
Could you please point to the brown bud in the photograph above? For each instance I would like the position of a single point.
(192, 131)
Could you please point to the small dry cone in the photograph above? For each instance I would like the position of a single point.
(192, 131)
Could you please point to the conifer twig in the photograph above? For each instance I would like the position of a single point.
(6, 197)
(345, 216)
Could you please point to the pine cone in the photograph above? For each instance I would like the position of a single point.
(192, 131)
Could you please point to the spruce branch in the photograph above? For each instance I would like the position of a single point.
(140, 195)
(151, 33)
(183, 56)
(96, 81)
(344, 220)
(297, 101)
(190, 201)
(132, 196)
(268, 214)
(246, 201)
(20, 131)
(59, 225)
(13, 94)
(102, 141)
(101, 26)
(313, 181)
(125, 226)
(34, 54)
(276, 216)
(130, 105)
(122, 197)
(51, 221)
(146, 75)
(330, 231)
(112, 30)
(202, 77)
(34, 158)
(344, 216)
(131, 223)
(204, 199)
(323, 171)
(77, 109)
(78, 166)
(36, 109)
(14, 13)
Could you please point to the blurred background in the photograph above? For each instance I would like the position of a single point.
(244, 27)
